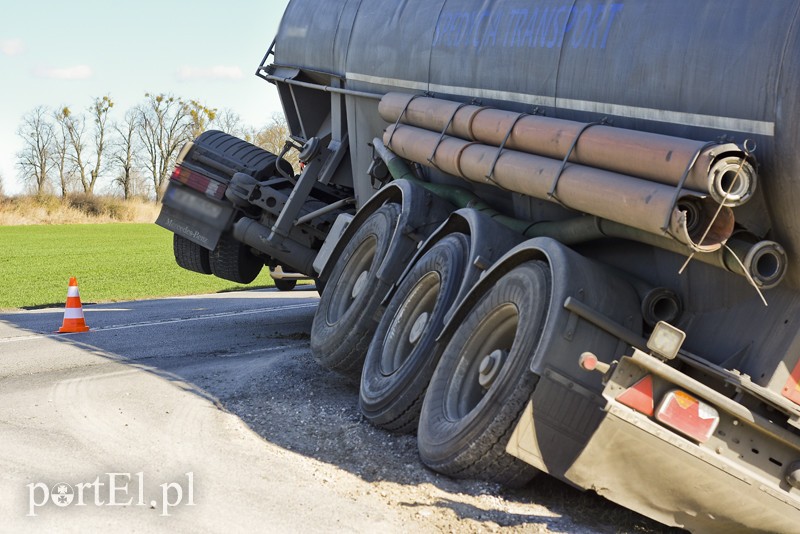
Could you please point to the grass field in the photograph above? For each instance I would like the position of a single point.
(111, 261)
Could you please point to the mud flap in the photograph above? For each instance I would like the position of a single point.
(194, 216)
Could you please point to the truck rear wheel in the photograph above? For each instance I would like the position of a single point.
(349, 308)
(190, 255)
(483, 381)
(400, 361)
(233, 261)
(285, 285)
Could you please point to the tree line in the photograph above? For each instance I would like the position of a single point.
(66, 151)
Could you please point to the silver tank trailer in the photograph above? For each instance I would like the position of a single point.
(708, 71)
(721, 69)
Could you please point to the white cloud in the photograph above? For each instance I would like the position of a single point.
(12, 47)
(217, 72)
(78, 72)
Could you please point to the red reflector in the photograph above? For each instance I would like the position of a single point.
(639, 396)
(688, 415)
(792, 388)
(588, 361)
(198, 182)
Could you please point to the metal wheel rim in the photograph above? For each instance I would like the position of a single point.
(361, 261)
(496, 331)
(398, 344)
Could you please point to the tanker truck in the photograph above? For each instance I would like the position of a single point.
(550, 236)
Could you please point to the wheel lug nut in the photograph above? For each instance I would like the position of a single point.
(418, 328)
(361, 281)
(490, 368)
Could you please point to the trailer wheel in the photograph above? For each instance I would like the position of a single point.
(349, 308)
(190, 255)
(285, 285)
(483, 382)
(233, 261)
(400, 361)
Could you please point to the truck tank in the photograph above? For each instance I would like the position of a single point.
(711, 71)
(723, 72)
(722, 69)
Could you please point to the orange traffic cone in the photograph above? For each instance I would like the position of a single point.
(73, 312)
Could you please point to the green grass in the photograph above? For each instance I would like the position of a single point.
(112, 262)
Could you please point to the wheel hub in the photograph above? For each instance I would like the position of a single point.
(418, 328)
(358, 287)
(490, 368)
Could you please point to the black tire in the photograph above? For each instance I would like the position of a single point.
(233, 261)
(285, 285)
(464, 427)
(400, 359)
(349, 308)
(190, 255)
(236, 153)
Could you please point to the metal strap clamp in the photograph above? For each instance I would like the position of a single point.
(552, 193)
(681, 183)
(502, 147)
(432, 157)
(402, 114)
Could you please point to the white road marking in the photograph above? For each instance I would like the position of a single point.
(205, 317)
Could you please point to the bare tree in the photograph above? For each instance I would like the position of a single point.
(75, 127)
(61, 144)
(99, 110)
(124, 152)
(230, 122)
(35, 160)
(2, 192)
(273, 137)
(164, 127)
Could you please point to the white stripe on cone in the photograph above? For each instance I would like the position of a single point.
(73, 313)
(73, 291)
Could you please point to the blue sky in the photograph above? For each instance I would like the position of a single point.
(57, 53)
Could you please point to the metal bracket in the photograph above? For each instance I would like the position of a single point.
(299, 196)
(432, 157)
(682, 182)
(552, 193)
(402, 114)
(502, 147)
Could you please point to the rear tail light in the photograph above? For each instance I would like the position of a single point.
(688, 415)
(639, 396)
(198, 182)
(792, 388)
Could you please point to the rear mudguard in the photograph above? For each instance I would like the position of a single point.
(573, 275)
(567, 402)
(489, 240)
(421, 213)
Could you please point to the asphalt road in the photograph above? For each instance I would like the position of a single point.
(123, 398)
(208, 414)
